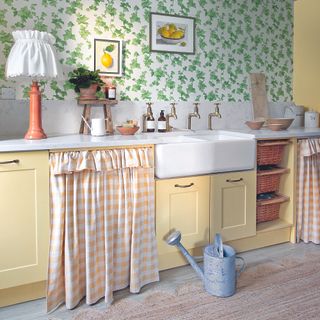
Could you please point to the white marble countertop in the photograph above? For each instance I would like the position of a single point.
(290, 133)
(87, 141)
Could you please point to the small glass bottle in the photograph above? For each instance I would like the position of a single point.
(111, 92)
(162, 122)
(151, 126)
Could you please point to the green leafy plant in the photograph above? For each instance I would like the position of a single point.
(83, 78)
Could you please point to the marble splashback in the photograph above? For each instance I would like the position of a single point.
(63, 117)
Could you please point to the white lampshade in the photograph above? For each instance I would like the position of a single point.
(33, 56)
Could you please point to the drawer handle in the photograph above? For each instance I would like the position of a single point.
(236, 180)
(16, 161)
(184, 185)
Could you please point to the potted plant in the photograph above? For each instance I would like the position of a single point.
(86, 82)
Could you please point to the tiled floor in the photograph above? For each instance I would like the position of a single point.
(170, 279)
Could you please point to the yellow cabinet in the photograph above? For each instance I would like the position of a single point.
(24, 227)
(182, 204)
(233, 205)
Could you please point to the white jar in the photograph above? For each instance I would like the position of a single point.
(311, 119)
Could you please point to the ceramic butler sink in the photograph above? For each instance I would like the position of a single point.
(202, 154)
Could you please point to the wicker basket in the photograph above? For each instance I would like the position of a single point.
(270, 152)
(268, 210)
(269, 180)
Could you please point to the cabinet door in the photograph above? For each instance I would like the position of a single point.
(233, 205)
(182, 204)
(24, 216)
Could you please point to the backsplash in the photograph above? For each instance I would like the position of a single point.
(62, 117)
(233, 38)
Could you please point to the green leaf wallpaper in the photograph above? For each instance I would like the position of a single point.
(233, 38)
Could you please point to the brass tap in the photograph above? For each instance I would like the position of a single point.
(146, 115)
(172, 114)
(216, 113)
(194, 114)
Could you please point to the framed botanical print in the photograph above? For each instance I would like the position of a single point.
(108, 57)
(172, 33)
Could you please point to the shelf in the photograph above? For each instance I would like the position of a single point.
(97, 102)
(273, 171)
(278, 198)
(272, 225)
(268, 143)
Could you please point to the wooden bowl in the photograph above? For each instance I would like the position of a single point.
(285, 122)
(254, 124)
(276, 126)
(127, 131)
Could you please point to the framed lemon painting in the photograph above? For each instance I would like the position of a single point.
(172, 33)
(108, 57)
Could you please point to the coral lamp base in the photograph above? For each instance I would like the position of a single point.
(35, 131)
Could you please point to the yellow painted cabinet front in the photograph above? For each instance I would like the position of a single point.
(233, 205)
(182, 204)
(24, 216)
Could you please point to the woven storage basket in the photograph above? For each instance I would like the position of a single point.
(269, 180)
(270, 152)
(268, 210)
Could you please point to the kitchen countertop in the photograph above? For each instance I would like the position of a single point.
(290, 133)
(87, 141)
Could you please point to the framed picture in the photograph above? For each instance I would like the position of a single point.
(108, 57)
(172, 33)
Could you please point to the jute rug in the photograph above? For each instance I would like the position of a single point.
(286, 289)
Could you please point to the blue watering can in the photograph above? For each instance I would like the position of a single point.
(219, 274)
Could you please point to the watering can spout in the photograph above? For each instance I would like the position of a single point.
(174, 239)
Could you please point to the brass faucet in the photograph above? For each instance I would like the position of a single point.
(216, 113)
(172, 114)
(194, 114)
(146, 115)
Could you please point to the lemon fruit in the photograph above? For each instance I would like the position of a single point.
(172, 28)
(106, 60)
(177, 34)
(161, 29)
(165, 33)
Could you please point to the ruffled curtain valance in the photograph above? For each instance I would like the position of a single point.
(309, 147)
(100, 160)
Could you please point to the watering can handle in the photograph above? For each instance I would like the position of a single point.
(86, 122)
(218, 245)
(242, 267)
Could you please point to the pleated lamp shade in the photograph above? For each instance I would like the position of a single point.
(33, 57)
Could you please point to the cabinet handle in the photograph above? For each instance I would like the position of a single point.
(184, 185)
(10, 161)
(236, 180)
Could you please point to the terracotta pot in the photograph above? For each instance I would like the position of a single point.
(89, 93)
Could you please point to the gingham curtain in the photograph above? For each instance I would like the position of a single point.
(308, 189)
(102, 225)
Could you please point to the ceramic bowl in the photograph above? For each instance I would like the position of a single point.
(127, 131)
(254, 124)
(171, 41)
(276, 126)
(285, 122)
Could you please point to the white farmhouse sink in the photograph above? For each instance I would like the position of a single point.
(203, 154)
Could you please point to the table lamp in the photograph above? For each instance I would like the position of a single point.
(33, 57)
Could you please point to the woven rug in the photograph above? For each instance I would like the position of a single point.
(286, 289)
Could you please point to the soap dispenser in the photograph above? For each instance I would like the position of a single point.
(149, 119)
(162, 122)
